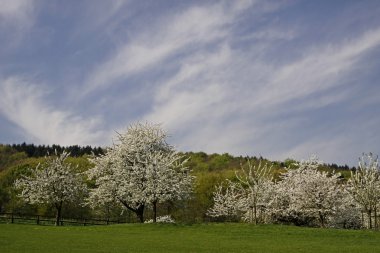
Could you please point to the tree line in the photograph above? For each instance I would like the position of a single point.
(32, 150)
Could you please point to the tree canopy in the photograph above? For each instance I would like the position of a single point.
(53, 182)
(141, 169)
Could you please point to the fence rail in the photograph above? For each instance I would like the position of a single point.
(20, 218)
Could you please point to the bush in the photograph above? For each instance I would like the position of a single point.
(162, 219)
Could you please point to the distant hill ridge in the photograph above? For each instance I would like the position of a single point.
(32, 150)
(210, 161)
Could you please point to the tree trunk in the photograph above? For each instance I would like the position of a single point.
(363, 225)
(154, 211)
(369, 219)
(140, 213)
(375, 212)
(58, 206)
(255, 213)
(321, 220)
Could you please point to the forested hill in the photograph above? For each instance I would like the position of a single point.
(199, 161)
(209, 170)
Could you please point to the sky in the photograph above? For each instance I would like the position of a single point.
(278, 79)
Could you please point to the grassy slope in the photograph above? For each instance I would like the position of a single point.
(181, 238)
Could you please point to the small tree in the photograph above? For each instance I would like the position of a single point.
(364, 186)
(140, 169)
(257, 183)
(312, 194)
(227, 200)
(348, 213)
(308, 194)
(248, 195)
(53, 182)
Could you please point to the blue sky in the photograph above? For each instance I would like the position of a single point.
(281, 79)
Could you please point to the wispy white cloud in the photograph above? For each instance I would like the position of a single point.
(271, 34)
(343, 144)
(318, 70)
(194, 27)
(17, 17)
(329, 149)
(245, 77)
(219, 109)
(25, 105)
(16, 10)
(100, 18)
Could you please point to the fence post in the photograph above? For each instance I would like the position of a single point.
(38, 220)
(12, 218)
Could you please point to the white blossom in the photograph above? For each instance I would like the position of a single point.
(364, 187)
(248, 197)
(307, 194)
(227, 200)
(141, 169)
(162, 219)
(348, 214)
(53, 182)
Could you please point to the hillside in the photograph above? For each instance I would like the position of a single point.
(209, 169)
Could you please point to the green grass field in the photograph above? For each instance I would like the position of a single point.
(184, 238)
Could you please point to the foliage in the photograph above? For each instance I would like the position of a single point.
(8, 195)
(9, 157)
(32, 150)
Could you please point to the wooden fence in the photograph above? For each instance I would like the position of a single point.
(49, 220)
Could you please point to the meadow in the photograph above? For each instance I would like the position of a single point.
(213, 237)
